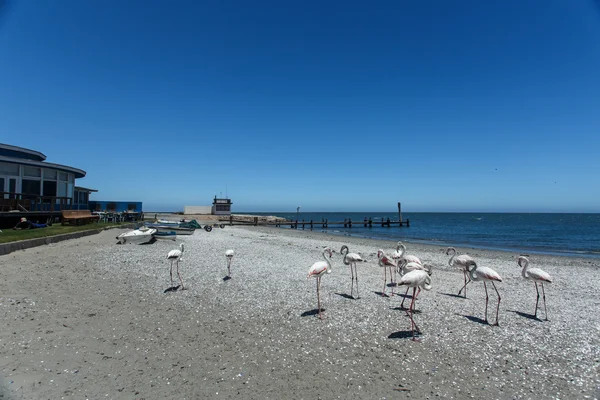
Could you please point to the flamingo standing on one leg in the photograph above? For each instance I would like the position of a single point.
(461, 261)
(229, 255)
(386, 263)
(407, 267)
(176, 255)
(536, 275)
(351, 259)
(317, 270)
(485, 274)
(415, 279)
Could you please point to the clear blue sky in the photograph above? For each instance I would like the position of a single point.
(331, 106)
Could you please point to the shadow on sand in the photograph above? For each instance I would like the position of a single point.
(525, 315)
(172, 289)
(403, 335)
(225, 279)
(312, 312)
(453, 295)
(405, 309)
(474, 319)
(347, 296)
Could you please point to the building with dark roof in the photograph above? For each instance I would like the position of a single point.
(28, 183)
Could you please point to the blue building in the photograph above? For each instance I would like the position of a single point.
(116, 206)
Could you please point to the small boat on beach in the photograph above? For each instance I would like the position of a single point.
(171, 228)
(137, 236)
(171, 235)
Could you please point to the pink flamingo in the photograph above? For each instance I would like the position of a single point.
(399, 255)
(536, 275)
(351, 259)
(176, 255)
(319, 269)
(415, 279)
(407, 267)
(229, 255)
(486, 274)
(386, 263)
(461, 261)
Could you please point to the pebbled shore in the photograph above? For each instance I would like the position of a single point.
(87, 318)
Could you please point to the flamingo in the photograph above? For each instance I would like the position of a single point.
(485, 274)
(386, 263)
(229, 255)
(417, 278)
(407, 267)
(399, 254)
(176, 255)
(319, 269)
(351, 259)
(536, 275)
(461, 261)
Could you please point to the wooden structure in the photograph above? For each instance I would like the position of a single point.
(323, 224)
(78, 217)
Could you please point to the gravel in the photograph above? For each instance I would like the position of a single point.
(90, 318)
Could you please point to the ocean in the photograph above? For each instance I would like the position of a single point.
(556, 234)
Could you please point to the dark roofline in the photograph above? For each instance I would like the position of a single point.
(79, 173)
(81, 189)
(34, 153)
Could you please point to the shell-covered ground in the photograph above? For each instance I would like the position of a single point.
(87, 318)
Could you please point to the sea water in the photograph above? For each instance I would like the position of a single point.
(557, 234)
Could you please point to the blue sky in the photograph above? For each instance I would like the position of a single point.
(332, 106)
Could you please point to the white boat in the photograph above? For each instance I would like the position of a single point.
(137, 236)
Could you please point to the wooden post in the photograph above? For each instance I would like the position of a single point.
(255, 221)
(350, 222)
(311, 224)
(370, 222)
(407, 222)
(400, 213)
(326, 223)
(230, 220)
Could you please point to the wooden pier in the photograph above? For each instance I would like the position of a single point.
(323, 224)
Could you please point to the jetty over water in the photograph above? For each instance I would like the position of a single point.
(323, 224)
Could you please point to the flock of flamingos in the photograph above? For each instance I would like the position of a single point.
(413, 274)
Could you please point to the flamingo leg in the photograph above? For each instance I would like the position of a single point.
(352, 283)
(356, 278)
(393, 279)
(465, 285)
(319, 296)
(486, 301)
(412, 321)
(385, 280)
(498, 306)
(537, 299)
(544, 294)
(171, 273)
(229, 267)
(405, 296)
(181, 280)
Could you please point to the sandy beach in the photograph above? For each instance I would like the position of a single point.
(87, 318)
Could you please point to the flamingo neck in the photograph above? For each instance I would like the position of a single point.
(427, 284)
(453, 251)
(524, 263)
(472, 271)
(327, 261)
(401, 249)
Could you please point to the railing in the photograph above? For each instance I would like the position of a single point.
(10, 201)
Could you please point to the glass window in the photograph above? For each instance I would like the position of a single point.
(34, 172)
(50, 174)
(9, 169)
(131, 207)
(63, 176)
(111, 206)
(49, 188)
(62, 189)
(29, 186)
(71, 178)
